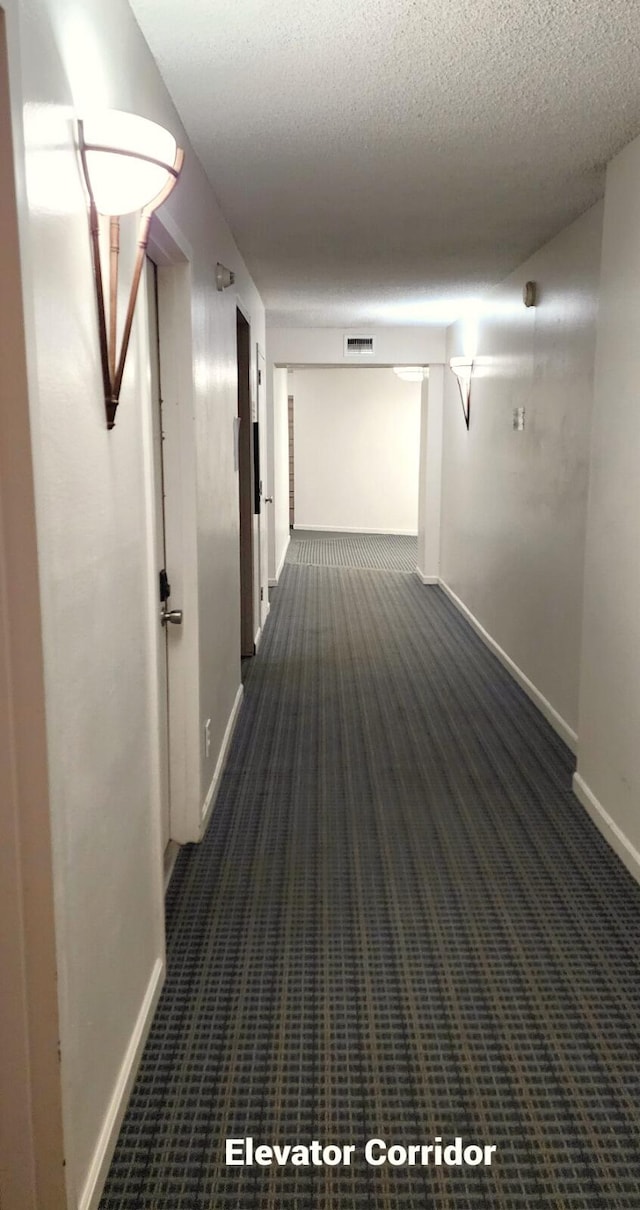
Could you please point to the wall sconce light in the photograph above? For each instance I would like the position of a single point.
(224, 277)
(530, 294)
(462, 367)
(129, 164)
(411, 373)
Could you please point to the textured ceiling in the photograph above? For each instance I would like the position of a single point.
(379, 162)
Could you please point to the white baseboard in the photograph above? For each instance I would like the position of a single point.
(220, 763)
(566, 733)
(426, 579)
(266, 610)
(346, 529)
(607, 826)
(274, 583)
(108, 1137)
(170, 858)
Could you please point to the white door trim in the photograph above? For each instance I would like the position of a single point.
(172, 253)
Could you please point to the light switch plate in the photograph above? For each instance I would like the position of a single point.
(518, 419)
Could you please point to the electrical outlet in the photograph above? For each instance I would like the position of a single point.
(518, 419)
(207, 738)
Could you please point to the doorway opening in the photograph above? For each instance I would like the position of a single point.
(246, 487)
(354, 450)
(260, 467)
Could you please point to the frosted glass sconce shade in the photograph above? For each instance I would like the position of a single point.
(129, 160)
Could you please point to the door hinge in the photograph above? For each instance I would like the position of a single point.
(259, 378)
(262, 594)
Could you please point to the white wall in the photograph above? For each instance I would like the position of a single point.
(514, 503)
(31, 1144)
(279, 472)
(430, 476)
(356, 450)
(95, 526)
(609, 750)
(325, 346)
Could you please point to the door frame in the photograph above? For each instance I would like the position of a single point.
(163, 637)
(172, 253)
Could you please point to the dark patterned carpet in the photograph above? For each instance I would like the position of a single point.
(401, 925)
(383, 552)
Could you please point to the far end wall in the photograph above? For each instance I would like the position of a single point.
(357, 448)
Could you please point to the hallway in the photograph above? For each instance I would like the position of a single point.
(400, 925)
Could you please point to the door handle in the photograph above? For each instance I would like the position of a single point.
(170, 615)
(268, 499)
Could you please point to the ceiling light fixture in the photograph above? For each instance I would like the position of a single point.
(411, 373)
(129, 164)
(462, 367)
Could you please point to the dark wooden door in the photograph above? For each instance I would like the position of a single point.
(246, 485)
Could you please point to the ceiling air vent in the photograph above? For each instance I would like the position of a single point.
(358, 346)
